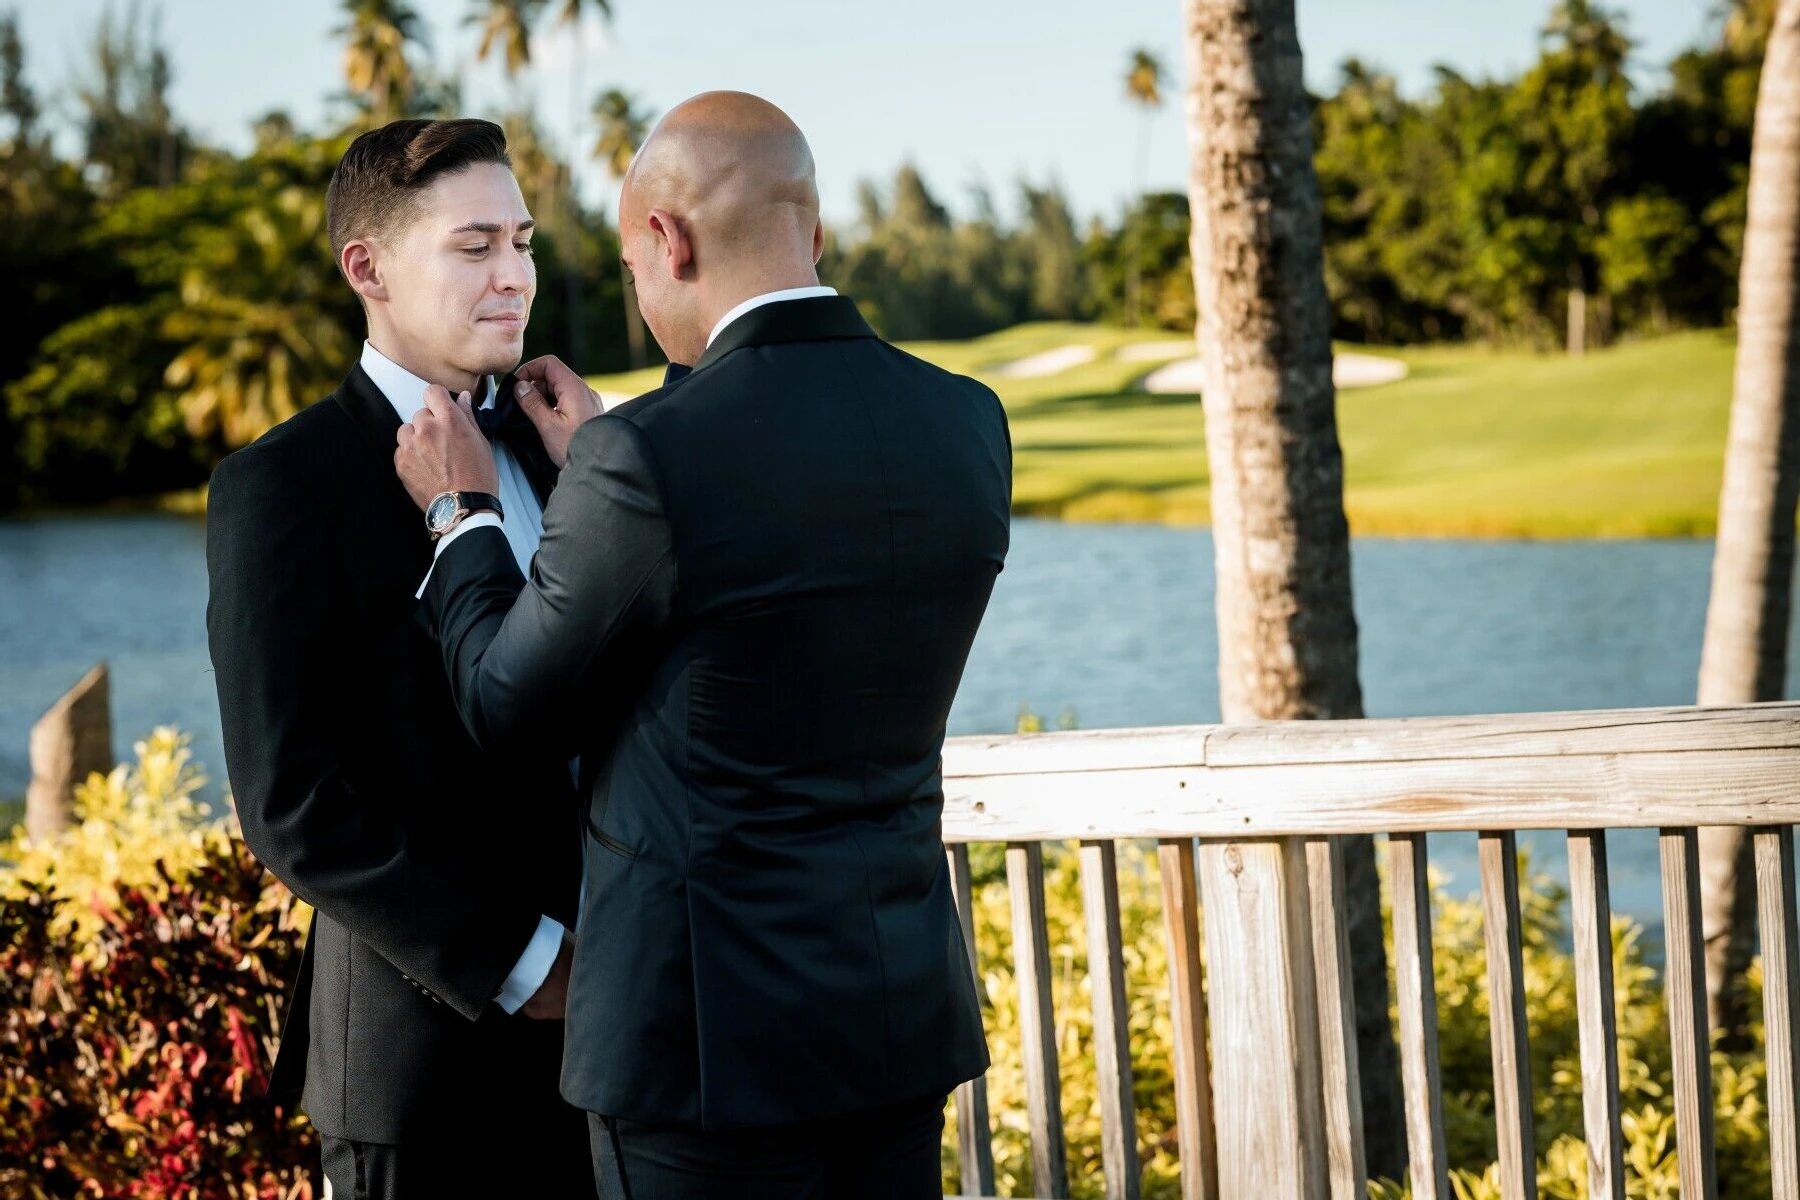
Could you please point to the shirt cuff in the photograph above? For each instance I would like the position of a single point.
(478, 520)
(533, 966)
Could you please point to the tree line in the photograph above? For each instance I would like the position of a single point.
(179, 298)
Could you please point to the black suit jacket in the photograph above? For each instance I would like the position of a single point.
(428, 861)
(779, 563)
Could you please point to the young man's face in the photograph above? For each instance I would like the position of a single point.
(458, 279)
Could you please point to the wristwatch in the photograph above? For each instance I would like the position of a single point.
(447, 508)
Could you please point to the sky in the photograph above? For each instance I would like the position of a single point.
(976, 93)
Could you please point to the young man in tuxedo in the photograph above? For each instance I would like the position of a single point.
(779, 562)
(424, 1036)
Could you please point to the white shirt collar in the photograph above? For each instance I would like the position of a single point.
(799, 293)
(404, 390)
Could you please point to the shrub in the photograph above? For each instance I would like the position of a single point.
(142, 965)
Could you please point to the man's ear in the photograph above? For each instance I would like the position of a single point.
(678, 251)
(818, 241)
(357, 260)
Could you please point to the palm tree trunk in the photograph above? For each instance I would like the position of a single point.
(634, 320)
(1575, 338)
(1744, 658)
(1134, 266)
(576, 349)
(1287, 629)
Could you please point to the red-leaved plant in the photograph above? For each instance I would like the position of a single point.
(134, 1067)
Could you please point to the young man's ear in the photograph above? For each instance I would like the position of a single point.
(357, 261)
(676, 251)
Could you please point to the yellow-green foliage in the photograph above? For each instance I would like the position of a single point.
(129, 827)
(1461, 979)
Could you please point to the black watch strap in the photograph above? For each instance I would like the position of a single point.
(474, 502)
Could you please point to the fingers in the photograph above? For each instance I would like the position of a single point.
(550, 374)
(438, 403)
(535, 406)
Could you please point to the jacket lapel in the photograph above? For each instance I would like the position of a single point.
(401, 526)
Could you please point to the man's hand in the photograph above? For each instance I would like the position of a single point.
(569, 406)
(550, 1001)
(442, 450)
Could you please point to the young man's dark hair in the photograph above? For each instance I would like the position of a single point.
(377, 183)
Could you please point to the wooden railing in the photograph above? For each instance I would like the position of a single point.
(1247, 819)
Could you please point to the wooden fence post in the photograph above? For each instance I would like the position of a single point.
(1263, 996)
(69, 743)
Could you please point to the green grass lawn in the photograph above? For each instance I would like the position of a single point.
(1475, 442)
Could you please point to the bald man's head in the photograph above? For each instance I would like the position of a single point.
(720, 204)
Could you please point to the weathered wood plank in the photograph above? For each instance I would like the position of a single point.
(71, 741)
(1196, 1136)
(1499, 855)
(1592, 926)
(1037, 1020)
(974, 1133)
(1112, 1014)
(1337, 1019)
(1417, 992)
(1646, 789)
(1684, 979)
(1775, 895)
(1257, 933)
(1507, 735)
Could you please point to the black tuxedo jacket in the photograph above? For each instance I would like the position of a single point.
(778, 564)
(428, 861)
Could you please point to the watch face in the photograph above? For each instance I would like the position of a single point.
(441, 512)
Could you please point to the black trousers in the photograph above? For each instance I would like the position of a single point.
(473, 1163)
(892, 1153)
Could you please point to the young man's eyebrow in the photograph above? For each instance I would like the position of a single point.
(491, 227)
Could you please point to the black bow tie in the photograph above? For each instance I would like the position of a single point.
(495, 419)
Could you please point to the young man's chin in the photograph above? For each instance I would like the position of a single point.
(499, 350)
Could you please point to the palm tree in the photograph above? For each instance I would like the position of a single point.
(506, 28)
(1287, 629)
(622, 129)
(1744, 657)
(1143, 86)
(569, 15)
(375, 63)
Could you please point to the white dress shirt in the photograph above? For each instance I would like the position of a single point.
(524, 528)
(799, 293)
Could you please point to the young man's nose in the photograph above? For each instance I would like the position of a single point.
(513, 274)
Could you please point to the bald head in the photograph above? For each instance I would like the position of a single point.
(721, 196)
(726, 159)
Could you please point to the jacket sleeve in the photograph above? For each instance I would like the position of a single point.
(281, 670)
(525, 658)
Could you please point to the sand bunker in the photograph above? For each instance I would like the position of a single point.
(1047, 362)
(1154, 351)
(1347, 371)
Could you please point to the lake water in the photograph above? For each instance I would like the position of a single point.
(1112, 622)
